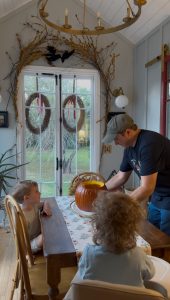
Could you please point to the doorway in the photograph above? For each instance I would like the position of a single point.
(60, 136)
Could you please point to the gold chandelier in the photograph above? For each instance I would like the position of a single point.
(130, 18)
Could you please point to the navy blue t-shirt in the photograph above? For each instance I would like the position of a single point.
(151, 154)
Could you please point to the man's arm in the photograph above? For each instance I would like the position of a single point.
(146, 187)
(118, 180)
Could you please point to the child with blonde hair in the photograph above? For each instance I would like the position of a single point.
(27, 195)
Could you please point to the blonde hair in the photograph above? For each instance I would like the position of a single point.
(115, 221)
(23, 188)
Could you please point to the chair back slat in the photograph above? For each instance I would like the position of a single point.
(11, 207)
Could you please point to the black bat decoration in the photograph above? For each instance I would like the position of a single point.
(52, 55)
(66, 55)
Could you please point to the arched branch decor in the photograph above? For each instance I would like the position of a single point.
(73, 99)
(85, 48)
(46, 120)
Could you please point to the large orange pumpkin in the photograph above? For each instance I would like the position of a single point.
(86, 193)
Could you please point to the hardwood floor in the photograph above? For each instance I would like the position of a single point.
(7, 264)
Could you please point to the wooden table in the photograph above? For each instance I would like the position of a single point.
(158, 240)
(60, 252)
(58, 247)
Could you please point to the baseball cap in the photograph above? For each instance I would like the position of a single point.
(117, 124)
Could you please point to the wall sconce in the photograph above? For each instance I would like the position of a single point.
(121, 100)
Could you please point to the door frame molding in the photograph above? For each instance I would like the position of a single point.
(95, 140)
(164, 82)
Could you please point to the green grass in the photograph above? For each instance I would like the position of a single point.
(48, 172)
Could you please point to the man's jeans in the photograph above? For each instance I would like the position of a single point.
(159, 217)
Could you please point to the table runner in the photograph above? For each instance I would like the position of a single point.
(80, 228)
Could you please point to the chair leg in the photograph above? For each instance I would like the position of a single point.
(22, 292)
(14, 282)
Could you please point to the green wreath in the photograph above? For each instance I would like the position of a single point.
(73, 99)
(45, 123)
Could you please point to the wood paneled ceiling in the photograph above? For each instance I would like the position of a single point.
(8, 6)
(112, 11)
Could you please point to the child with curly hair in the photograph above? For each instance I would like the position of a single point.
(27, 195)
(114, 257)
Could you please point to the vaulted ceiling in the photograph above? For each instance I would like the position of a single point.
(112, 11)
(8, 6)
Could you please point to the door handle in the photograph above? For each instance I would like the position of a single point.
(57, 164)
(61, 164)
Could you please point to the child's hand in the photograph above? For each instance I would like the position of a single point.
(46, 209)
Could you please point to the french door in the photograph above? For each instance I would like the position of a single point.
(60, 136)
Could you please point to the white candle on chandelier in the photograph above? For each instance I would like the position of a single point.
(66, 16)
(66, 12)
(98, 19)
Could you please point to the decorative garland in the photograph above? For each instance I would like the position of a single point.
(45, 123)
(84, 47)
(73, 99)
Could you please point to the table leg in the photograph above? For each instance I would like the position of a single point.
(167, 254)
(53, 276)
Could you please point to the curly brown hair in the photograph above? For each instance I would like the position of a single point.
(115, 221)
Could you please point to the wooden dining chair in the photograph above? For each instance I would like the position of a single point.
(91, 289)
(86, 176)
(31, 270)
(34, 276)
(11, 206)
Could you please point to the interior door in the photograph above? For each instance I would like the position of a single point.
(165, 98)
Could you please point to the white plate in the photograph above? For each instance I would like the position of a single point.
(81, 213)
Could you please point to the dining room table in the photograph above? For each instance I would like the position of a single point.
(68, 231)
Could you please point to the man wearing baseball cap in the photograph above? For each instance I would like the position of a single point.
(148, 154)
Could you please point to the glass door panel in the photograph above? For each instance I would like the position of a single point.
(77, 97)
(40, 148)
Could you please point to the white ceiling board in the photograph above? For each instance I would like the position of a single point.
(152, 16)
(112, 11)
(8, 6)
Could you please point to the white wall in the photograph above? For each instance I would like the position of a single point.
(147, 81)
(13, 24)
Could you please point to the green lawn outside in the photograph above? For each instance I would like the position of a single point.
(48, 172)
